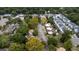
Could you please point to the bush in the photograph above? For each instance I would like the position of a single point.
(51, 47)
(16, 47)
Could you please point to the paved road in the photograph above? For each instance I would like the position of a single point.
(41, 33)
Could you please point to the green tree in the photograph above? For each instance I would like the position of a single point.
(52, 41)
(51, 47)
(4, 41)
(68, 45)
(77, 47)
(50, 19)
(18, 37)
(43, 20)
(33, 23)
(35, 33)
(66, 36)
(0, 27)
(16, 47)
(34, 44)
(23, 29)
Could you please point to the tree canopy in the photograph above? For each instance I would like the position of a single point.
(66, 36)
(16, 47)
(33, 44)
(52, 40)
(4, 41)
(68, 45)
(33, 22)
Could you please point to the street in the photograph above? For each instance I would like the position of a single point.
(41, 33)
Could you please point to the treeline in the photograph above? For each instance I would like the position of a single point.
(37, 10)
(26, 10)
(71, 12)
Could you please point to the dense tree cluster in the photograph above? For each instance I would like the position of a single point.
(71, 13)
(66, 36)
(66, 40)
(52, 43)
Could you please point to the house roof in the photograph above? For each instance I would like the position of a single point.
(3, 21)
(50, 32)
(49, 28)
(48, 24)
